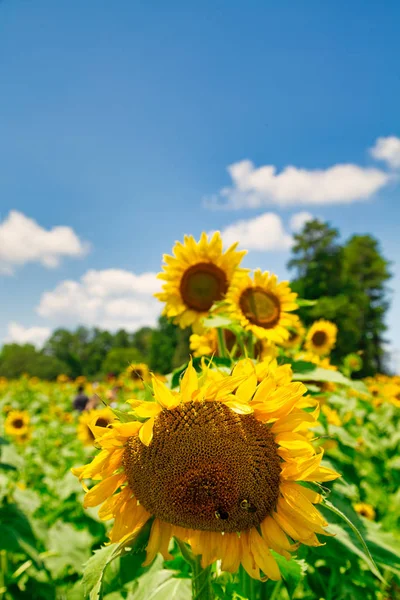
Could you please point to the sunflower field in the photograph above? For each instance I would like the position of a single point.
(256, 470)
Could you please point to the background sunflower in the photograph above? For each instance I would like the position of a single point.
(197, 275)
(262, 305)
(321, 337)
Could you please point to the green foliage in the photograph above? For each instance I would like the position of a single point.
(15, 360)
(169, 348)
(119, 359)
(348, 281)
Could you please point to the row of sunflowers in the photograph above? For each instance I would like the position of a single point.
(258, 469)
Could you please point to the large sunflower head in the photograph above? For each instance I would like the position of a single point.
(321, 337)
(17, 423)
(197, 275)
(219, 465)
(92, 422)
(263, 306)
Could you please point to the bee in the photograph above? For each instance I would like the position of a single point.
(247, 506)
(220, 513)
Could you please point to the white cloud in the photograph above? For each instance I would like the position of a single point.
(388, 150)
(111, 299)
(27, 335)
(298, 220)
(265, 232)
(254, 187)
(23, 240)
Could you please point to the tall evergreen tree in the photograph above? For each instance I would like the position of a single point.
(348, 282)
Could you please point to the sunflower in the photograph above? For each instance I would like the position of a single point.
(324, 363)
(321, 337)
(138, 372)
(62, 378)
(353, 362)
(365, 510)
(296, 336)
(263, 305)
(220, 465)
(206, 343)
(196, 276)
(91, 422)
(17, 423)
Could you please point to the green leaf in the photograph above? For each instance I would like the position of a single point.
(4, 442)
(159, 584)
(70, 548)
(302, 366)
(292, 571)
(304, 302)
(216, 360)
(320, 374)
(217, 321)
(344, 537)
(124, 417)
(16, 533)
(7, 467)
(94, 571)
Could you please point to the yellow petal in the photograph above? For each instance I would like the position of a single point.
(101, 491)
(231, 554)
(263, 556)
(163, 395)
(247, 389)
(276, 538)
(246, 556)
(127, 430)
(146, 432)
(239, 407)
(148, 409)
(153, 544)
(189, 383)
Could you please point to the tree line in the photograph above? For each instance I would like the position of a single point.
(346, 279)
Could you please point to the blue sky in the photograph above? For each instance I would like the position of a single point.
(119, 121)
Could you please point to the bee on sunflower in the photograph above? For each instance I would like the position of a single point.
(220, 465)
(321, 337)
(17, 423)
(92, 422)
(196, 276)
(263, 306)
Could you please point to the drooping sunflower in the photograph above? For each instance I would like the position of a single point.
(321, 337)
(263, 306)
(197, 275)
(220, 465)
(296, 336)
(204, 344)
(317, 360)
(138, 372)
(17, 423)
(91, 422)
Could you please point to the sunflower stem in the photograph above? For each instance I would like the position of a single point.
(201, 578)
(221, 343)
(201, 582)
(251, 346)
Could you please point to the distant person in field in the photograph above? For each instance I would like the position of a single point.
(80, 400)
(94, 399)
